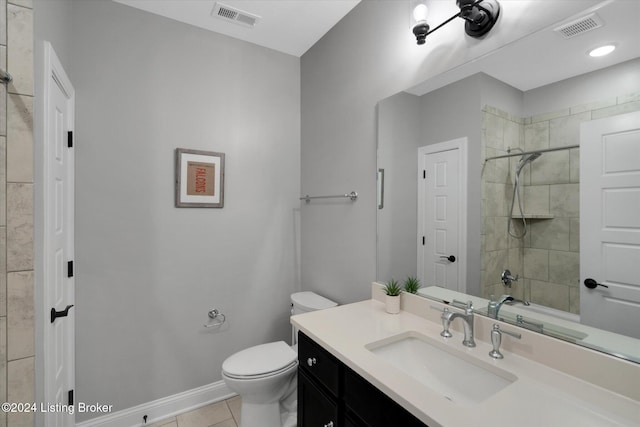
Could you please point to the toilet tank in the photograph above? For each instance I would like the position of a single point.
(303, 302)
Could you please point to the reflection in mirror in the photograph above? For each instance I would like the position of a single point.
(523, 209)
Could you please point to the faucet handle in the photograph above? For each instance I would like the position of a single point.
(469, 308)
(445, 321)
(496, 340)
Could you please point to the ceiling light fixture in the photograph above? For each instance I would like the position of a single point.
(480, 17)
(602, 50)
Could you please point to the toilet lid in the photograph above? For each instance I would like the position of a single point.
(259, 360)
(310, 301)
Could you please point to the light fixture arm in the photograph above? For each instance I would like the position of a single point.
(480, 18)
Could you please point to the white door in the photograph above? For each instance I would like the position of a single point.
(441, 217)
(58, 274)
(610, 223)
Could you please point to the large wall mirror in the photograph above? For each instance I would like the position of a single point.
(549, 138)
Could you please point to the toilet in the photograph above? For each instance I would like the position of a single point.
(265, 376)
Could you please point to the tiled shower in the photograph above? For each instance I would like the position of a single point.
(547, 259)
(17, 378)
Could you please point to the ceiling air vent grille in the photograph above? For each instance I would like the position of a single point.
(579, 26)
(237, 16)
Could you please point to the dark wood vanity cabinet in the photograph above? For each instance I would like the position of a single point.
(332, 395)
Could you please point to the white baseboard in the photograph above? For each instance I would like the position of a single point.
(163, 408)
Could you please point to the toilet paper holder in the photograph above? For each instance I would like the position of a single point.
(213, 315)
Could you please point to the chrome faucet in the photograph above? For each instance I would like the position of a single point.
(494, 306)
(467, 318)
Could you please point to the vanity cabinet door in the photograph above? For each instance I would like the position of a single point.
(319, 363)
(369, 407)
(315, 409)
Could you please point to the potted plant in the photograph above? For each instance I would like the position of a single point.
(392, 300)
(411, 285)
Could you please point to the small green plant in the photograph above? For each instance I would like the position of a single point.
(392, 288)
(411, 285)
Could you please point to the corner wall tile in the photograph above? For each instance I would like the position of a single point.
(3, 22)
(20, 48)
(574, 234)
(19, 227)
(550, 234)
(3, 360)
(551, 168)
(3, 271)
(20, 315)
(550, 294)
(551, 115)
(19, 138)
(630, 97)
(628, 107)
(574, 300)
(565, 131)
(20, 381)
(565, 200)
(536, 136)
(564, 268)
(3, 181)
(583, 108)
(574, 165)
(536, 264)
(536, 199)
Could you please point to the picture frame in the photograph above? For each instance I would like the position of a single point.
(199, 179)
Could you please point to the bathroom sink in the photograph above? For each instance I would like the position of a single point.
(458, 377)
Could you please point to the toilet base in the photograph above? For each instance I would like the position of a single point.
(260, 414)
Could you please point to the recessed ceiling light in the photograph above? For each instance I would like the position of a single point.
(602, 50)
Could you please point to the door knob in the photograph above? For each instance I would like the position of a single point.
(449, 258)
(592, 284)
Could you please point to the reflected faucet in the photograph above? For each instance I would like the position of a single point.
(494, 306)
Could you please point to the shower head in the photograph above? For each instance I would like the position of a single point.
(527, 158)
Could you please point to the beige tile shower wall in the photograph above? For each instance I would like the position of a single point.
(16, 210)
(501, 132)
(548, 258)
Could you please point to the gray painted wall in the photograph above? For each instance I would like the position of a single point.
(147, 273)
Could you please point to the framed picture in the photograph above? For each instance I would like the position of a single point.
(199, 179)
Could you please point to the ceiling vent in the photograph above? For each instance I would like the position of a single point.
(237, 16)
(580, 26)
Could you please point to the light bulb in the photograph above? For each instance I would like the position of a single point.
(420, 12)
(602, 50)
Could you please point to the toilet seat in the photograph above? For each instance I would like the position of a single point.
(260, 361)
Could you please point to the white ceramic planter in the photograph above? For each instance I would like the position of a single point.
(392, 304)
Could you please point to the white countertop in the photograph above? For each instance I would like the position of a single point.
(541, 396)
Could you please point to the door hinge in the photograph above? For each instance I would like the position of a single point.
(70, 138)
(424, 174)
(423, 240)
(70, 269)
(70, 397)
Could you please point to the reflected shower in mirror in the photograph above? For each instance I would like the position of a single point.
(524, 184)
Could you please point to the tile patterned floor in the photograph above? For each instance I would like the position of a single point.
(221, 414)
